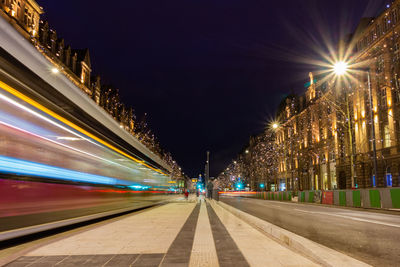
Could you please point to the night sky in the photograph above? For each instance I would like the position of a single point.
(209, 73)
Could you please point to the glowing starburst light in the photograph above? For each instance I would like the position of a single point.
(340, 68)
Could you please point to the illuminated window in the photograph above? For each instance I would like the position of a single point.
(396, 52)
(333, 179)
(386, 142)
(380, 64)
(383, 98)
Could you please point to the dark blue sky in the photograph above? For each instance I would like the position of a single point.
(208, 72)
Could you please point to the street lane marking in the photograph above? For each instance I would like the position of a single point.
(351, 218)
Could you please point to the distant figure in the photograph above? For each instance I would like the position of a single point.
(210, 188)
(186, 194)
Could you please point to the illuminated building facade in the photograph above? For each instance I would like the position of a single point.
(376, 45)
(325, 138)
(23, 14)
(310, 141)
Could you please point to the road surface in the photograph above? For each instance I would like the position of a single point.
(369, 236)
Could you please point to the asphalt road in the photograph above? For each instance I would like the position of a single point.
(372, 237)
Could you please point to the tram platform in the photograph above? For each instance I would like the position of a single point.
(193, 232)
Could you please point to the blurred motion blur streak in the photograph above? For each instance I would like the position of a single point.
(52, 169)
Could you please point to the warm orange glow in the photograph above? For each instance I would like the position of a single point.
(376, 119)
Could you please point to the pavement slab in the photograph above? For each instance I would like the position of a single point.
(203, 251)
(152, 231)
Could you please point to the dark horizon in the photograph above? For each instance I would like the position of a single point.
(208, 74)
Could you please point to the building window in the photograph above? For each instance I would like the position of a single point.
(386, 141)
(371, 36)
(396, 52)
(383, 98)
(389, 181)
(378, 30)
(333, 179)
(387, 23)
(394, 16)
(19, 9)
(380, 64)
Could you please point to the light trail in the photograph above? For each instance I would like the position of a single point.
(24, 167)
(35, 104)
(64, 145)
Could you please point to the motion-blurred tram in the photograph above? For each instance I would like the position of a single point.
(62, 158)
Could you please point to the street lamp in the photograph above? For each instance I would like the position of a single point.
(341, 68)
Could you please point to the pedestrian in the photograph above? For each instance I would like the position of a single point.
(186, 194)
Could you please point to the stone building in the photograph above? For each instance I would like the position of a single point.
(23, 14)
(309, 139)
(325, 140)
(376, 46)
(74, 63)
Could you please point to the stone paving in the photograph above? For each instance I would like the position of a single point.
(190, 232)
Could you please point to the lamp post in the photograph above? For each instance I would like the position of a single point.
(371, 114)
(341, 68)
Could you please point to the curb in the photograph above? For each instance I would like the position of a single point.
(319, 253)
(372, 209)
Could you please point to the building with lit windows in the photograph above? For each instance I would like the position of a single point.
(309, 141)
(376, 45)
(23, 14)
(325, 138)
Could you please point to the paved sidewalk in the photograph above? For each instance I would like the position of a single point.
(183, 233)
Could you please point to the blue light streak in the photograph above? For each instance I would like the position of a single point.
(24, 167)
